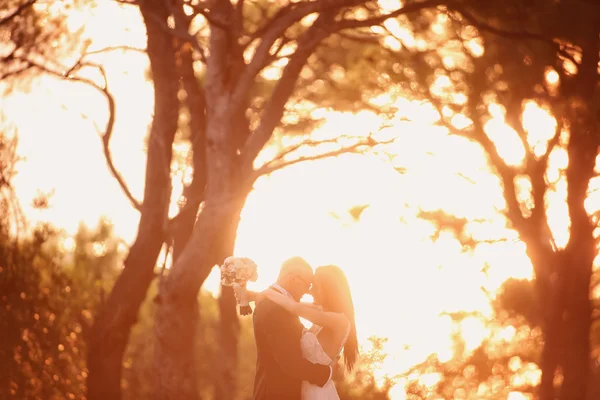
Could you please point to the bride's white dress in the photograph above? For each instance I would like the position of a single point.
(313, 352)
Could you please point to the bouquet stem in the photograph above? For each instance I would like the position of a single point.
(245, 308)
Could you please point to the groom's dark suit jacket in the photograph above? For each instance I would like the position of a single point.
(280, 367)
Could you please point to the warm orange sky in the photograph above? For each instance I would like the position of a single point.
(390, 260)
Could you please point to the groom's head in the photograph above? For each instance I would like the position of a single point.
(295, 276)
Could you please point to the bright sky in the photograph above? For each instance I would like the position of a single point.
(387, 254)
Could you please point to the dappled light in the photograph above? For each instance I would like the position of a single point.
(443, 154)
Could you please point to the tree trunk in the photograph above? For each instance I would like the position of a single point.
(115, 319)
(548, 265)
(581, 251)
(552, 291)
(229, 179)
(548, 365)
(176, 310)
(577, 313)
(229, 327)
(195, 101)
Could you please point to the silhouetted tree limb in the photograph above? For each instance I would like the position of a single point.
(273, 111)
(561, 48)
(279, 161)
(406, 9)
(20, 8)
(71, 75)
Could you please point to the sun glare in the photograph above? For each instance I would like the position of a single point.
(405, 279)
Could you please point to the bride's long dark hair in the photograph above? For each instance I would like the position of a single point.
(337, 297)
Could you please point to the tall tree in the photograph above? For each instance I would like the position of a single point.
(492, 61)
(220, 55)
(220, 121)
(112, 324)
(237, 125)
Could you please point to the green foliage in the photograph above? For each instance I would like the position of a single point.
(518, 298)
(47, 296)
(507, 359)
(45, 308)
(95, 257)
(9, 207)
(36, 30)
(361, 383)
(41, 345)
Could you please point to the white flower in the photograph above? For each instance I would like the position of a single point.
(238, 270)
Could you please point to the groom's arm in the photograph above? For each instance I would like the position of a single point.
(284, 333)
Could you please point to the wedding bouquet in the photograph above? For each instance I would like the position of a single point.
(238, 271)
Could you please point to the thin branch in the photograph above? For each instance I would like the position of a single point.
(514, 35)
(108, 130)
(279, 161)
(305, 143)
(306, 45)
(208, 16)
(15, 72)
(180, 33)
(536, 169)
(284, 12)
(507, 174)
(196, 104)
(360, 38)
(282, 43)
(271, 32)
(239, 15)
(552, 143)
(407, 9)
(466, 178)
(274, 108)
(115, 48)
(458, 226)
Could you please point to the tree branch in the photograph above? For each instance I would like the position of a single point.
(306, 45)
(506, 173)
(16, 71)
(115, 48)
(16, 12)
(537, 170)
(406, 9)
(180, 32)
(458, 226)
(208, 16)
(361, 38)
(279, 162)
(70, 75)
(271, 32)
(274, 108)
(514, 35)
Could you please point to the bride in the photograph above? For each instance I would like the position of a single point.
(333, 330)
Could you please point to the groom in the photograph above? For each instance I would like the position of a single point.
(280, 367)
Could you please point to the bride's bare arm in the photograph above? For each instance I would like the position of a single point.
(312, 305)
(253, 296)
(308, 311)
(250, 295)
